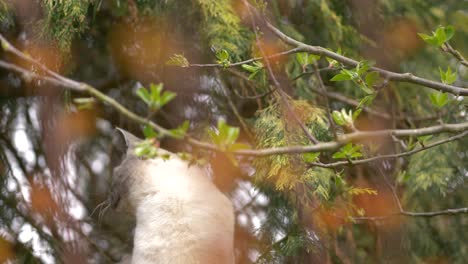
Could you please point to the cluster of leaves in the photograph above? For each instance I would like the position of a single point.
(343, 118)
(349, 152)
(364, 79)
(154, 97)
(257, 72)
(439, 36)
(305, 59)
(223, 58)
(225, 138)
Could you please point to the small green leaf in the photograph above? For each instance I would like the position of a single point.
(311, 156)
(363, 67)
(305, 58)
(149, 132)
(424, 139)
(167, 97)
(225, 136)
(301, 57)
(338, 118)
(439, 37)
(144, 95)
(333, 62)
(181, 130)
(222, 57)
(447, 77)
(249, 68)
(356, 114)
(366, 100)
(449, 32)
(371, 78)
(342, 76)
(367, 89)
(349, 151)
(5, 45)
(85, 103)
(429, 39)
(146, 149)
(439, 99)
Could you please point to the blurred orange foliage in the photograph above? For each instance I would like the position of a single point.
(42, 202)
(6, 250)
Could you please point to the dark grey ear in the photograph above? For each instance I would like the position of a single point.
(130, 140)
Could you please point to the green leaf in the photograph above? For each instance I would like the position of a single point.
(349, 151)
(178, 60)
(181, 130)
(371, 78)
(367, 89)
(85, 103)
(449, 32)
(447, 77)
(342, 76)
(356, 113)
(146, 149)
(366, 100)
(305, 58)
(363, 67)
(153, 98)
(144, 95)
(225, 136)
(424, 139)
(338, 118)
(249, 68)
(333, 62)
(149, 132)
(222, 55)
(167, 97)
(301, 57)
(439, 37)
(311, 156)
(439, 99)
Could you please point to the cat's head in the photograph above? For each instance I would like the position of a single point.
(125, 162)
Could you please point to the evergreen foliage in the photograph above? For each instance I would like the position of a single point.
(309, 211)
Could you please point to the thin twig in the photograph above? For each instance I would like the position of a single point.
(455, 53)
(272, 56)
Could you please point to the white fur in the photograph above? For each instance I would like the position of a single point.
(181, 216)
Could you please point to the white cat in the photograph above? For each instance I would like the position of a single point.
(181, 217)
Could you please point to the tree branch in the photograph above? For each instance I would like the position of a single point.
(391, 76)
(390, 156)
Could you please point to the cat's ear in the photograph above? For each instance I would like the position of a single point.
(130, 140)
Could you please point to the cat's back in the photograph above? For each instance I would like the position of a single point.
(182, 217)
